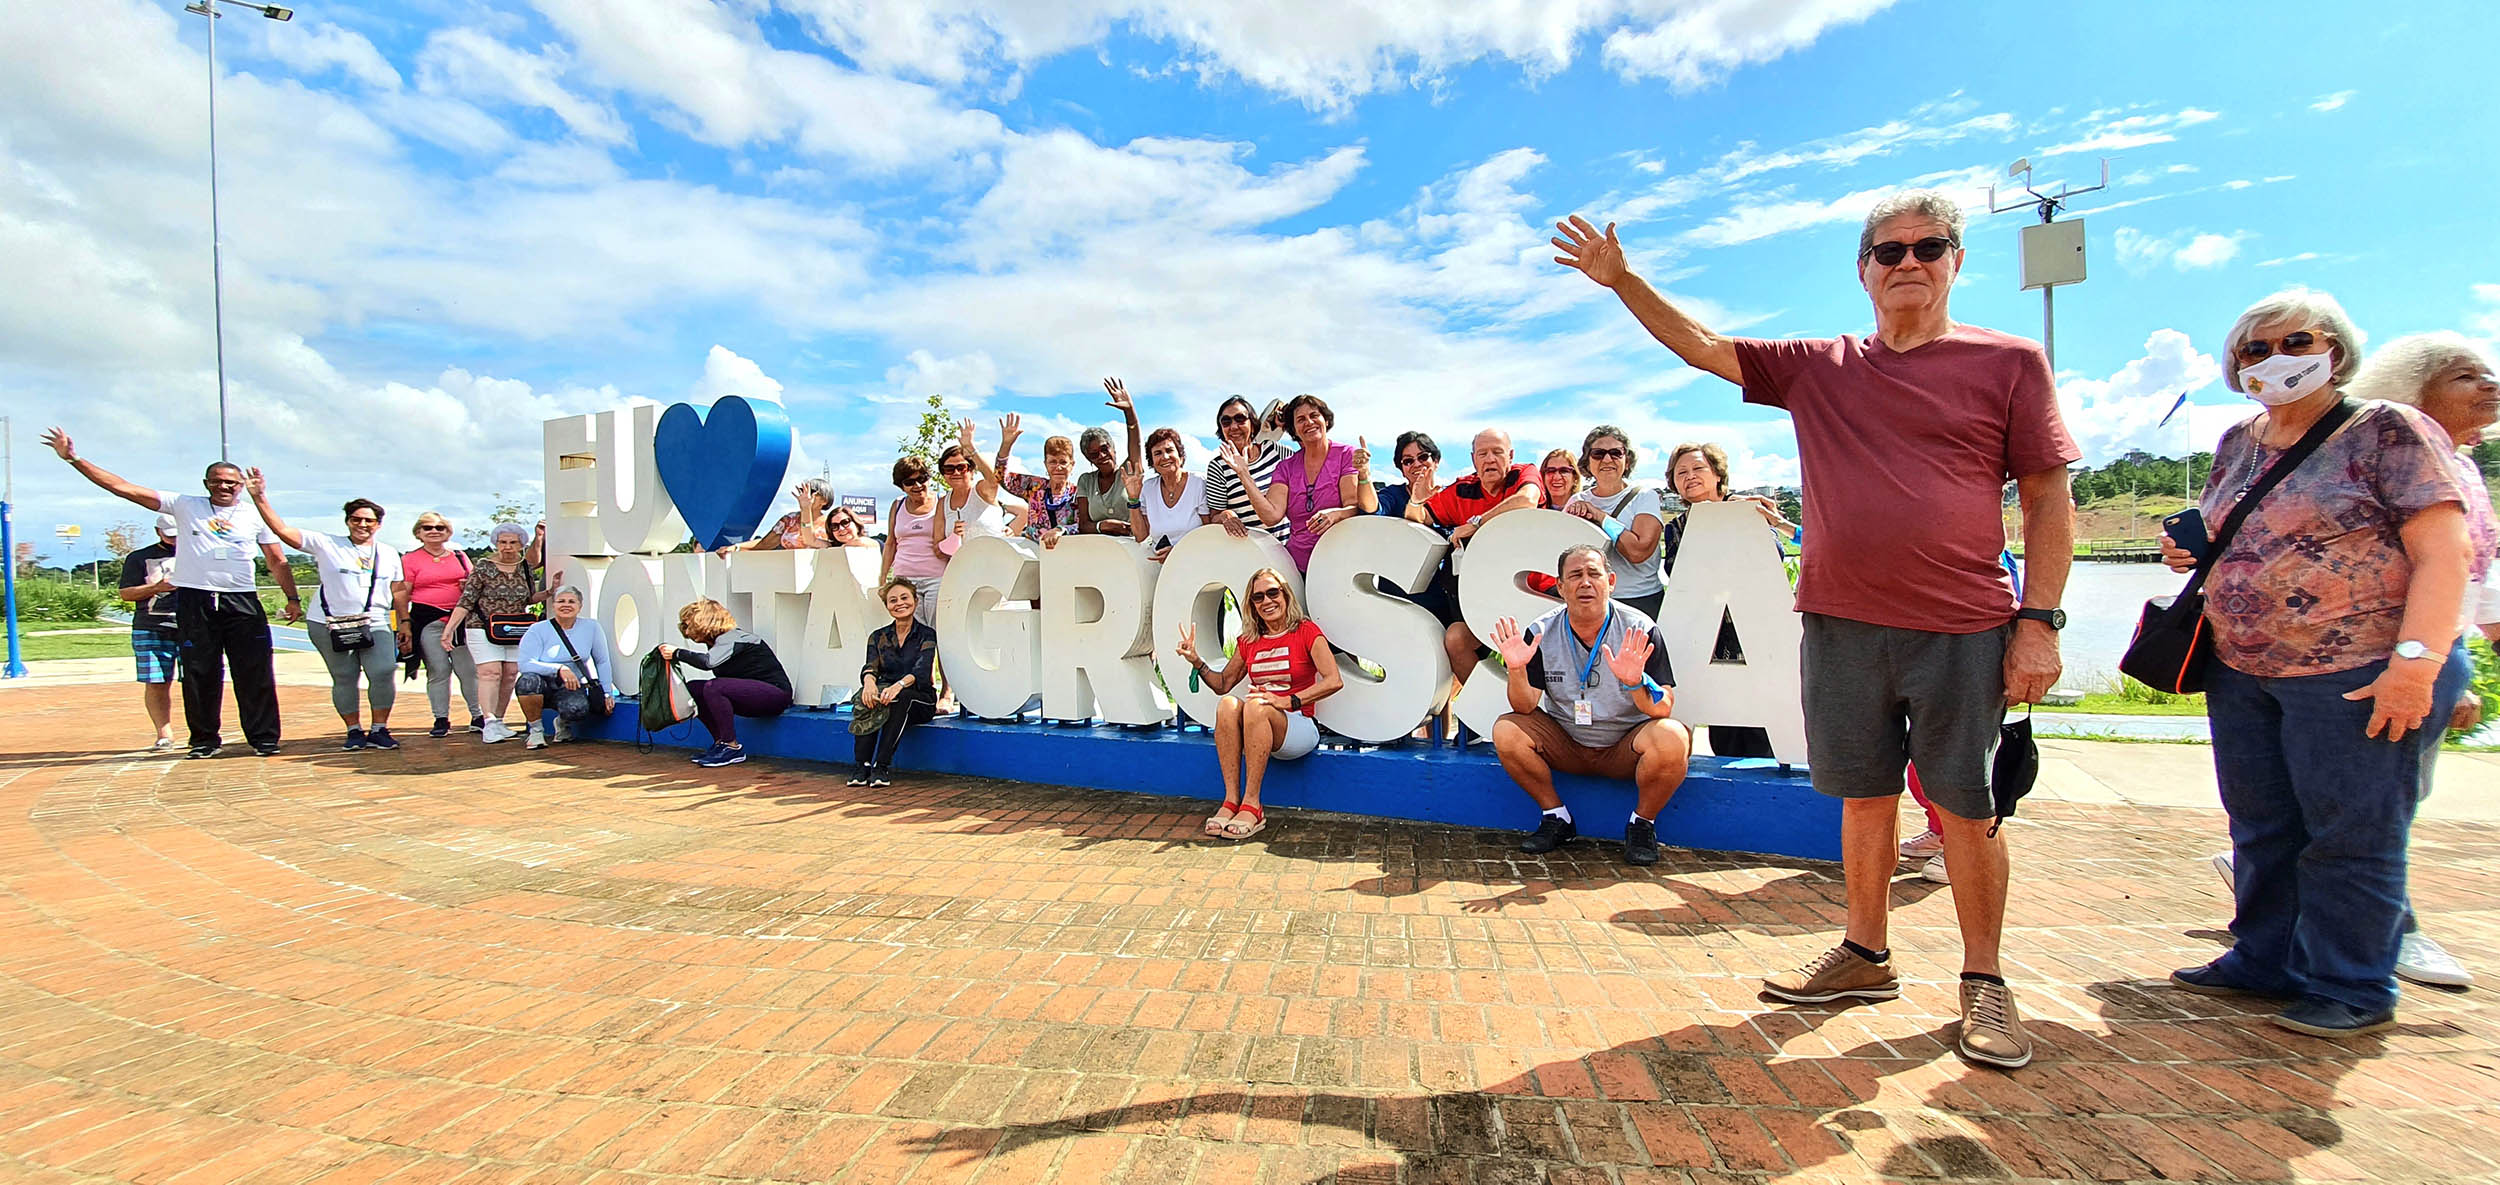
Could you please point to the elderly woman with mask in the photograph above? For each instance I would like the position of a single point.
(1316, 488)
(497, 599)
(2451, 380)
(2333, 610)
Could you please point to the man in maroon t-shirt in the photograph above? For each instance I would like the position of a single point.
(1495, 487)
(1914, 643)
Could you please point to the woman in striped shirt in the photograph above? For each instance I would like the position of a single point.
(1229, 499)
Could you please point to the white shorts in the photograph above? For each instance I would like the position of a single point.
(481, 650)
(1301, 736)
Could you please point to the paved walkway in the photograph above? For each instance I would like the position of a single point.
(473, 964)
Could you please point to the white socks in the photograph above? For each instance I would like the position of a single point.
(1561, 812)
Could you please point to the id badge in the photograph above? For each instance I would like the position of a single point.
(1580, 712)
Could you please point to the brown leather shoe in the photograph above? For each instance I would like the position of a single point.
(1992, 1030)
(1835, 973)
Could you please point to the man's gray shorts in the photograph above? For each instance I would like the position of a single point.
(1878, 695)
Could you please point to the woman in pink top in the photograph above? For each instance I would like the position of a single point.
(911, 537)
(1319, 487)
(435, 572)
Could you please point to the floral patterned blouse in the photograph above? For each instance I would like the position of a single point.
(490, 590)
(1062, 510)
(2315, 581)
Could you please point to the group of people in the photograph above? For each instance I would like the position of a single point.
(2336, 607)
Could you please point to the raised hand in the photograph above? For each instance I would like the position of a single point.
(1597, 256)
(1010, 427)
(58, 441)
(1363, 458)
(1240, 461)
(1119, 395)
(254, 483)
(1630, 664)
(1515, 648)
(963, 435)
(1134, 479)
(1188, 649)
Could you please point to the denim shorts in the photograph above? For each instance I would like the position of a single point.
(1879, 697)
(159, 653)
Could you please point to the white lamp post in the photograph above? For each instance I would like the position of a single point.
(216, 264)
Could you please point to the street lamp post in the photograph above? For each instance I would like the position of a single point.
(216, 262)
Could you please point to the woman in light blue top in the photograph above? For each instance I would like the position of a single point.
(560, 654)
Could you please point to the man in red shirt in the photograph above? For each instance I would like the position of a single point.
(1496, 487)
(1914, 643)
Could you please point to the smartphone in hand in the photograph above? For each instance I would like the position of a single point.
(2187, 529)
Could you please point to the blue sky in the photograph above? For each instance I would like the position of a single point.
(449, 219)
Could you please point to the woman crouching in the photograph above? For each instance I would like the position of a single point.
(1290, 668)
(746, 679)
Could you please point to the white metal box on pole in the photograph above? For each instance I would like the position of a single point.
(2052, 254)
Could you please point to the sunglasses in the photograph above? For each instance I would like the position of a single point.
(841, 523)
(1415, 459)
(1227, 421)
(917, 483)
(1928, 250)
(1267, 594)
(1605, 454)
(954, 468)
(367, 519)
(433, 526)
(1561, 471)
(2296, 342)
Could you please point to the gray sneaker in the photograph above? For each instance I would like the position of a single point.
(1992, 1030)
(1835, 973)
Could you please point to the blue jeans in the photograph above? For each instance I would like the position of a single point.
(2319, 817)
(2454, 675)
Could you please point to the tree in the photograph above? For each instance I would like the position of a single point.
(122, 539)
(938, 428)
(506, 510)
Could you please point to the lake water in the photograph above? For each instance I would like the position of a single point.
(2103, 602)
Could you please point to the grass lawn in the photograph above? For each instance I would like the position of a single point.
(2113, 704)
(38, 647)
(45, 627)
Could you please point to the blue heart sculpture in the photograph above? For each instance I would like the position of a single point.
(722, 472)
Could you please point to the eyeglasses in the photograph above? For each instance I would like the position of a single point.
(1267, 594)
(1561, 471)
(368, 519)
(2296, 342)
(1230, 420)
(1605, 454)
(1928, 250)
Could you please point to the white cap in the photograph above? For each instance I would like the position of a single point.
(164, 524)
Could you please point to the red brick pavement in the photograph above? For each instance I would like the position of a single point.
(472, 964)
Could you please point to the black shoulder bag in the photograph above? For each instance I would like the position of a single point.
(2172, 644)
(586, 702)
(505, 629)
(354, 633)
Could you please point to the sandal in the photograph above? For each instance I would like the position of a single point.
(1217, 821)
(1248, 822)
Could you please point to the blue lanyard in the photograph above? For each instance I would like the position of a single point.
(1590, 666)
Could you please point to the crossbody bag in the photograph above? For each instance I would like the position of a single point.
(351, 634)
(505, 629)
(588, 701)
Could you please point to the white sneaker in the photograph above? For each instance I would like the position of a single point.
(535, 740)
(2421, 959)
(496, 730)
(1922, 845)
(1933, 870)
(2230, 873)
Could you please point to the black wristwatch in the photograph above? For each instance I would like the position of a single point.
(2053, 618)
(1296, 699)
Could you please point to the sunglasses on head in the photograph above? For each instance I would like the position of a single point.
(1268, 594)
(2296, 342)
(1928, 250)
(1605, 454)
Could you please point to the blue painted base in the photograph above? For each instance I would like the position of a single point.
(1734, 805)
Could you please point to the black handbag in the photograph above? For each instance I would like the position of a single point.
(2172, 642)
(2015, 770)
(586, 702)
(505, 629)
(357, 634)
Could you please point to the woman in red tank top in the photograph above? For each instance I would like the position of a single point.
(1289, 667)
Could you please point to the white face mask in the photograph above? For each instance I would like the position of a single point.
(2283, 378)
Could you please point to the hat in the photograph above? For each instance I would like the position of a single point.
(164, 524)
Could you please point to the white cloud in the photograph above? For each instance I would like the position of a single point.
(2187, 250)
(2484, 319)
(470, 63)
(2333, 102)
(726, 373)
(1704, 40)
(2108, 131)
(2109, 416)
(311, 48)
(1760, 218)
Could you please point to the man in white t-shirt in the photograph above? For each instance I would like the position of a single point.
(216, 600)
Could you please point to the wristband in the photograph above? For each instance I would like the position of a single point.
(1613, 529)
(1657, 694)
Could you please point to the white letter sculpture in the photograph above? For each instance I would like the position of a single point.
(1190, 591)
(842, 610)
(1364, 620)
(1096, 647)
(1489, 589)
(1729, 567)
(992, 654)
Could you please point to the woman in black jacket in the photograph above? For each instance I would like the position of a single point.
(897, 677)
(746, 679)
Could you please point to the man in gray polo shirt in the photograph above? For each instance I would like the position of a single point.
(1589, 694)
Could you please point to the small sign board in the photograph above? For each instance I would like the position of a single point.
(69, 531)
(862, 507)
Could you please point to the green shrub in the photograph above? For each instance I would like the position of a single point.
(2486, 684)
(2133, 692)
(47, 598)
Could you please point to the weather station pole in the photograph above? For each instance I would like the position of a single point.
(216, 259)
(2052, 251)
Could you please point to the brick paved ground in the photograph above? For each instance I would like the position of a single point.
(461, 963)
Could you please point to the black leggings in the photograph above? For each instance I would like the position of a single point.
(876, 749)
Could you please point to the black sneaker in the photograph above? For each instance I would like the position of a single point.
(1553, 833)
(265, 750)
(1640, 842)
(879, 779)
(477, 724)
(200, 751)
(860, 778)
(442, 727)
(355, 739)
(381, 738)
